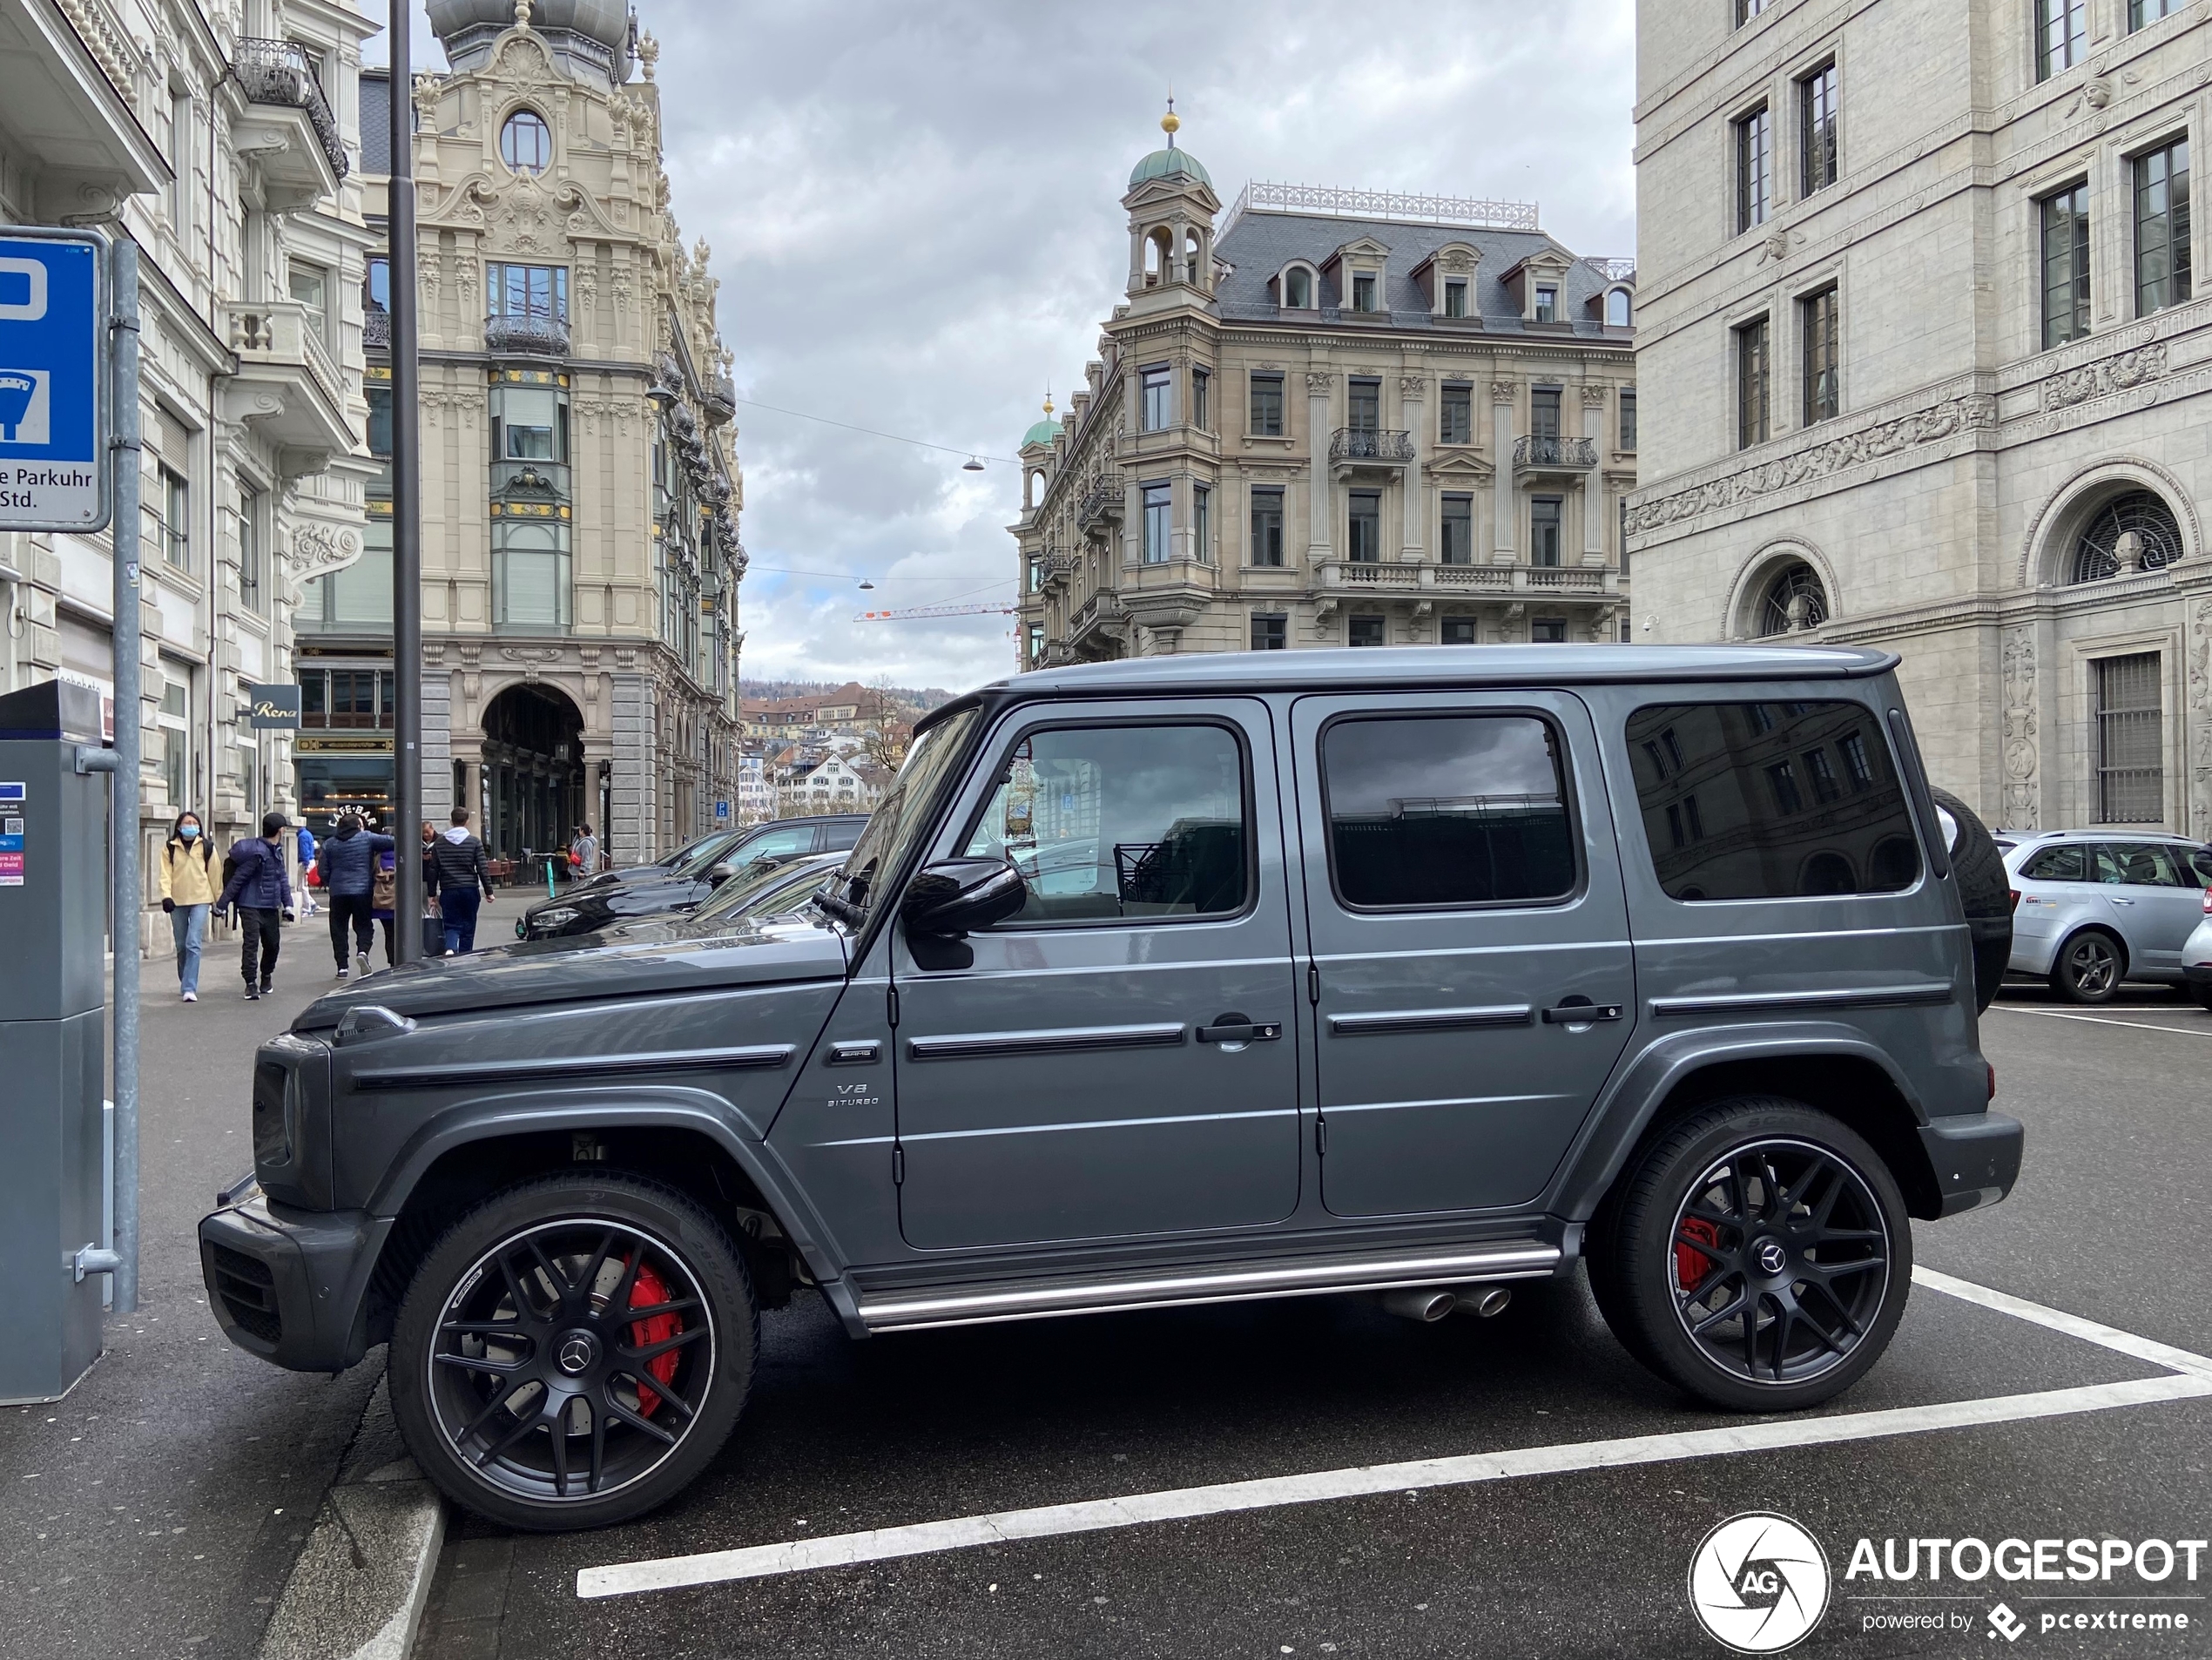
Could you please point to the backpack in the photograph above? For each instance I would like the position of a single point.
(383, 887)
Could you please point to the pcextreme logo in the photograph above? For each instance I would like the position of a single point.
(1759, 1582)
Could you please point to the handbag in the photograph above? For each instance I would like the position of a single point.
(383, 889)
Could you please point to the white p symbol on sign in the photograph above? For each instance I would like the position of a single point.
(34, 307)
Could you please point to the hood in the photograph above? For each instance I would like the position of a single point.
(456, 834)
(555, 971)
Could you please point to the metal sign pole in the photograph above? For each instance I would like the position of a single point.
(124, 816)
(406, 502)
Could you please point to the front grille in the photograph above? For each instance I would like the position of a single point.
(247, 1290)
(272, 1120)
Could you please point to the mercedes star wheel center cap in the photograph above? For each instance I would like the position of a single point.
(1768, 1254)
(577, 1353)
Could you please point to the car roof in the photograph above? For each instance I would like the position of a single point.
(1481, 665)
(2044, 838)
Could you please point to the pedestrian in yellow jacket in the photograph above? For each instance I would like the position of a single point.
(188, 888)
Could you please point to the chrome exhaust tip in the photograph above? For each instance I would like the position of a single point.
(1426, 1303)
(1483, 1304)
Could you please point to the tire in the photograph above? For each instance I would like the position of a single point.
(2089, 966)
(1695, 1219)
(2202, 992)
(510, 1313)
(1984, 892)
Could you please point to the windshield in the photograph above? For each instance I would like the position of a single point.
(749, 883)
(683, 854)
(906, 805)
(703, 853)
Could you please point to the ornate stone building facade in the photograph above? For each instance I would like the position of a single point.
(1927, 371)
(581, 495)
(223, 138)
(1343, 417)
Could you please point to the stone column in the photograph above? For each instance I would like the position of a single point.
(437, 746)
(1320, 516)
(632, 834)
(1502, 500)
(1415, 498)
(1594, 399)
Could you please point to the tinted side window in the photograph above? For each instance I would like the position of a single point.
(1437, 810)
(2057, 865)
(1764, 800)
(777, 844)
(2201, 865)
(838, 837)
(1114, 822)
(2150, 865)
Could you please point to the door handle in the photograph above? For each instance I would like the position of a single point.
(2116, 900)
(1235, 1029)
(1584, 1013)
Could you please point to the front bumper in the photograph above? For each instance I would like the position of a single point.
(2197, 973)
(291, 1286)
(1974, 1157)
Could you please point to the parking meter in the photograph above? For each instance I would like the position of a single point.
(54, 783)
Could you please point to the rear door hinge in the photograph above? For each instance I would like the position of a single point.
(890, 1006)
(1320, 1137)
(898, 1166)
(1313, 982)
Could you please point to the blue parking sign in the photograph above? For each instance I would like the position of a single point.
(54, 469)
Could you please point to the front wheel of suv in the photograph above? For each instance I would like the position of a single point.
(1759, 1256)
(2088, 968)
(573, 1352)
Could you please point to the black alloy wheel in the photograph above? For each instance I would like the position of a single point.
(1781, 1258)
(1759, 1256)
(2089, 968)
(574, 1351)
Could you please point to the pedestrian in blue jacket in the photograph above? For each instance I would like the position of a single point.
(261, 891)
(306, 858)
(347, 861)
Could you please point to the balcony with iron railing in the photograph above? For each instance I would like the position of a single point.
(1370, 446)
(1540, 454)
(1102, 502)
(376, 329)
(277, 76)
(526, 334)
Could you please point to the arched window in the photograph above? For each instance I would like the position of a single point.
(1191, 256)
(1827, 871)
(2129, 533)
(525, 142)
(1617, 309)
(1159, 257)
(1793, 602)
(1297, 289)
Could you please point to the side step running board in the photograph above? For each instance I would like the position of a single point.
(909, 1312)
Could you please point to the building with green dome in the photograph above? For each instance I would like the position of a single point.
(1334, 417)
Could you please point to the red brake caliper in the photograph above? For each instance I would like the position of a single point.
(644, 1292)
(1691, 1265)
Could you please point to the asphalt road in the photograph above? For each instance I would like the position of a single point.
(842, 1436)
(156, 1510)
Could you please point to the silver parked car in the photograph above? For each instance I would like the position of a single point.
(2094, 907)
(2196, 956)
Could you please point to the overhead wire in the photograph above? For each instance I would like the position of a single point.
(896, 438)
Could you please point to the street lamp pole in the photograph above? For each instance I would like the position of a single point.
(406, 502)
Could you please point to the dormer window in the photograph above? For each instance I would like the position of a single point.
(526, 143)
(1363, 290)
(1618, 309)
(1455, 297)
(1546, 302)
(1297, 289)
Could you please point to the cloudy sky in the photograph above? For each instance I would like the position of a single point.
(915, 216)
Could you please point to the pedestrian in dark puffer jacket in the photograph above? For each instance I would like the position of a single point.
(462, 874)
(260, 887)
(347, 861)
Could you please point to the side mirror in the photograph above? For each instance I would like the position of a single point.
(957, 896)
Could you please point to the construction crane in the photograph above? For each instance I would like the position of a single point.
(911, 613)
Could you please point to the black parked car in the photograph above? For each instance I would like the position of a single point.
(647, 890)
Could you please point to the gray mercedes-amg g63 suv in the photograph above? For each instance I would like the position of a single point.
(1175, 981)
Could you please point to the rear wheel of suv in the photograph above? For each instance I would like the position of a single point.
(574, 1351)
(1759, 1256)
(2088, 968)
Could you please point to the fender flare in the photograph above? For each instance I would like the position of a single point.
(535, 1111)
(1625, 1111)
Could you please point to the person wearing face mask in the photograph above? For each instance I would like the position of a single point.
(188, 888)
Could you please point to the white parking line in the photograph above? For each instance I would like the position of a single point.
(2100, 1020)
(2191, 1379)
